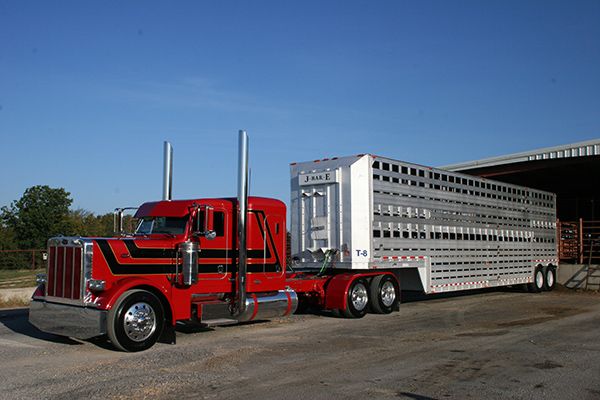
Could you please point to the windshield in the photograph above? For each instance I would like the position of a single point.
(168, 225)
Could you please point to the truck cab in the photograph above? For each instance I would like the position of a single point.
(93, 283)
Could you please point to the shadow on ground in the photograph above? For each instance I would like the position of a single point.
(17, 320)
(409, 296)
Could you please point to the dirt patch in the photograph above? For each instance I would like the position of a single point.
(483, 333)
(413, 396)
(524, 322)
(552, 314)
(547, 365)
(562, 311)
(565, 290)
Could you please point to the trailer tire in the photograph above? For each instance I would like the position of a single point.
(357, 300)
(539, 281)
(549, 278)
(384, 294)
(136, 321)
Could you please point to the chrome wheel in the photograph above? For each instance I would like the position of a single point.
(139, 322)
(136, 320)
(360, 298)
(357, 299)
(384, 294)
(387, 294)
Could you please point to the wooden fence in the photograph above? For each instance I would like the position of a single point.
(22, 259)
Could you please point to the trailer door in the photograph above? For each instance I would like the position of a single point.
(320, 208)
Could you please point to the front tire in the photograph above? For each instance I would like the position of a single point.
(136, 321)
(384, 294)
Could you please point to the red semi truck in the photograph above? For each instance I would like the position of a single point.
(223, 260)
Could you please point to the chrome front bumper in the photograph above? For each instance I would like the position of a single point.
(67, 320)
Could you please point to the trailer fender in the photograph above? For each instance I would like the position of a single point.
(336, 292)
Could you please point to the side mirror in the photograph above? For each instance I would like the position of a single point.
(118, 221)
(205, 223)
(209, 218)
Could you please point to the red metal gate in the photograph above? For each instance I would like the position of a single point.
(579, 241)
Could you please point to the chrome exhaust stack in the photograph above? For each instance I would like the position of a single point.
(241, 304)
(257, 305)
(167, 171)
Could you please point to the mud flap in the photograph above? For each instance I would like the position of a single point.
(168, 335)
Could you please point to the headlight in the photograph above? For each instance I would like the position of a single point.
(96, 285)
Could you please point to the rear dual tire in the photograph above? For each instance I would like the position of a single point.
(384, 293)
(544, 279)
(549, 277)
(357, 300)
(380, 296)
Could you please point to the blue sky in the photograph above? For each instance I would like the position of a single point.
(89, 90)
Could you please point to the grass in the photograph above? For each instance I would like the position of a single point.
(12, 302)
(15, 279)
(18, 278)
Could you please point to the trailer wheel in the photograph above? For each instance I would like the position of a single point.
(538, 281)
(357, 302)
(384, 294)
(136, 321)
(549, 277)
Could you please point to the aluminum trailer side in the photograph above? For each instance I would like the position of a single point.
(439, 231)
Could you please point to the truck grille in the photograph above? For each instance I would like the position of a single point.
(64, 272)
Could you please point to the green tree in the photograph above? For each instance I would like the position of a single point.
(8, 240)
(42, 212)
(85, 223)
(106, 223)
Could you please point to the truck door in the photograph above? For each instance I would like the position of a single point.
(265, 243)
(215, 255)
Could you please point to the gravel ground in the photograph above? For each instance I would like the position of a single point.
(491, 344)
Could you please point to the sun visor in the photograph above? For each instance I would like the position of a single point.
(163, 209)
